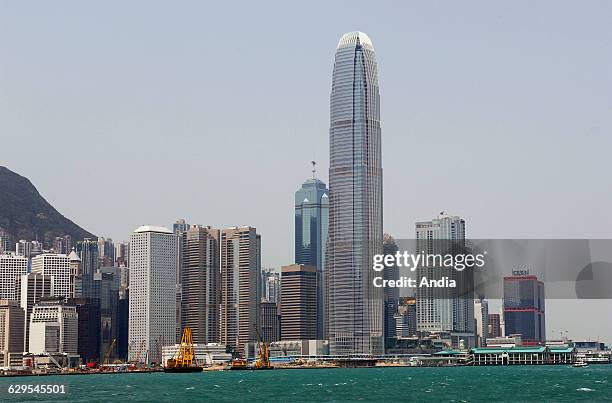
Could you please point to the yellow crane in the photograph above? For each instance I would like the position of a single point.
(185, 359)
(263, 359)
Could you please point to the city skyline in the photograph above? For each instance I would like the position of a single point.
(476, 130)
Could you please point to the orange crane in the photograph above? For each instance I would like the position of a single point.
(185, 359)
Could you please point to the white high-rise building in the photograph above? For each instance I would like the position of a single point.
(354, 306)
(57, 266)
(76, 280)
(271, 285)
(32, 287)
(481, 314)
(152, 305)
(11, 268)
(444, 309)
(23, 248)
(53, 327)
(4, 241)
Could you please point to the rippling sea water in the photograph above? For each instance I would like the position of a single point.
(458, 384)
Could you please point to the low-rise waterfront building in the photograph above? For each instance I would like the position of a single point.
(299, 348)
(514, 340)
(523, 355)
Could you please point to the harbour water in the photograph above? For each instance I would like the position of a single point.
(452, 384)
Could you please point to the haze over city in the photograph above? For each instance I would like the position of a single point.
(123, 115)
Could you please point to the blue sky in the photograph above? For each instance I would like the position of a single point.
(143, 112)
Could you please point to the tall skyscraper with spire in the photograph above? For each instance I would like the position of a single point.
(354, 305)
(311, 228)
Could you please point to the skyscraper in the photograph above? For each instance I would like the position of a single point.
(28, 249)
(57, 266)
(106, 251)
(298, 302)
(201, 283)
(122, 254)
(444, 309)
(53, 327)
(152, 311)
(76, 279)
(269, 320)
(11, 268)
(12, 326)
(4, 241)
(62, 244)
(391, 294)
(494, 325)
(87, 250)
(311, 230)
(106, 284)
(524, 307)
(354, 306)
(311, 222)
(481, 314)
(240, 288)
(270, 286)
(88, 344)
(405, 318)
(32, 287)
(180, 226)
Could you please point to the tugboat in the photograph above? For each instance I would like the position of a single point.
(185, 360)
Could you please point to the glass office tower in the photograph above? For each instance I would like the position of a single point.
(524, 307)
(354, 305)
(311, 227)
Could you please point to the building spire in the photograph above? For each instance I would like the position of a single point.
(314, 169)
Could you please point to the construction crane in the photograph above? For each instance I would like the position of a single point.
(184, 360)
(140, 350)
(263, 359)
(108, 352)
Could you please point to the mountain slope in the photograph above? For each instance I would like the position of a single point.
(25, 214)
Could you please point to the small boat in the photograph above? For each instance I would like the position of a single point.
(580, 364)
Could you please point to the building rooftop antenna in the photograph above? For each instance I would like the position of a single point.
(314, 169)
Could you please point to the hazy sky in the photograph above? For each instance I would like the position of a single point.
(124, 114)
